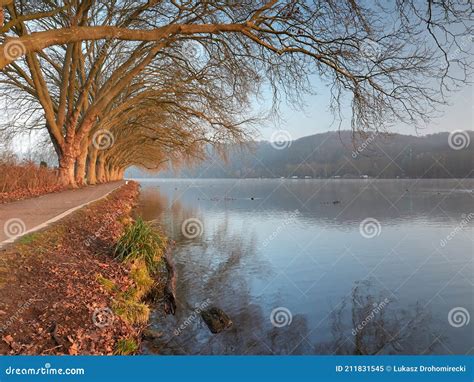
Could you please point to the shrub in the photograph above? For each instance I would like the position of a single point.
(24, 176)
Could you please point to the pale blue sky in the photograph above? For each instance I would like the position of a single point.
(458, 115)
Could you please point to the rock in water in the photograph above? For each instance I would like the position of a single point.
(150, 334)
(216, 320)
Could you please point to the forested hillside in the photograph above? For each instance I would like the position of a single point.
(337, 154)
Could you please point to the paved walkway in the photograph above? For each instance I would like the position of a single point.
(26, 216)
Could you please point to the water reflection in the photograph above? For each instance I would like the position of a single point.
(370, 323)
(347, 294)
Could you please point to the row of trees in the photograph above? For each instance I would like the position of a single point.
(122, 83)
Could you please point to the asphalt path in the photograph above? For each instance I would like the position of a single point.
(25, 216)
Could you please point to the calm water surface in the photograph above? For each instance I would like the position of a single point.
(300, 269)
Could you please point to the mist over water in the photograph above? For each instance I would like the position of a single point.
(318, 266)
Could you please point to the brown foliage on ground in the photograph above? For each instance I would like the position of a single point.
(24, 180)
(49, 283)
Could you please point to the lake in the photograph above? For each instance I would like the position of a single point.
(317, 266)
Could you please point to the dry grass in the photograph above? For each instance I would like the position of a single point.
(127, 303)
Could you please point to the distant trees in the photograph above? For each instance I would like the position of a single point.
(384, 157)
(124, 83)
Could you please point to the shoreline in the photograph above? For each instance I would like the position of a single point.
(65, 293)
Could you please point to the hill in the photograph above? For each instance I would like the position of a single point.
(340, 154)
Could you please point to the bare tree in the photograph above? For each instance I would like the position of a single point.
(395, 61)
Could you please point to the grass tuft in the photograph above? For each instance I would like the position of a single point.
(108, 284)
(142, 247)
(126, 346)
(141, 241)
(141, 277)
(131, 311)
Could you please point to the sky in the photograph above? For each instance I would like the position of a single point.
(316, 118)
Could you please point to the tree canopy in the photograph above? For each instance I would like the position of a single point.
(122, 83)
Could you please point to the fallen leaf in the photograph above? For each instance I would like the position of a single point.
(73, 349)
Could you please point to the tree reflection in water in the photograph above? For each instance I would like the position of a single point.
(362, 323)
(369, 324)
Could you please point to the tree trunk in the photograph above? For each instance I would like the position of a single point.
(67, 158)
(107, 173)
(114, 174)
(101, 170)
(81, 166)
(92, 166)
(66, 170)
